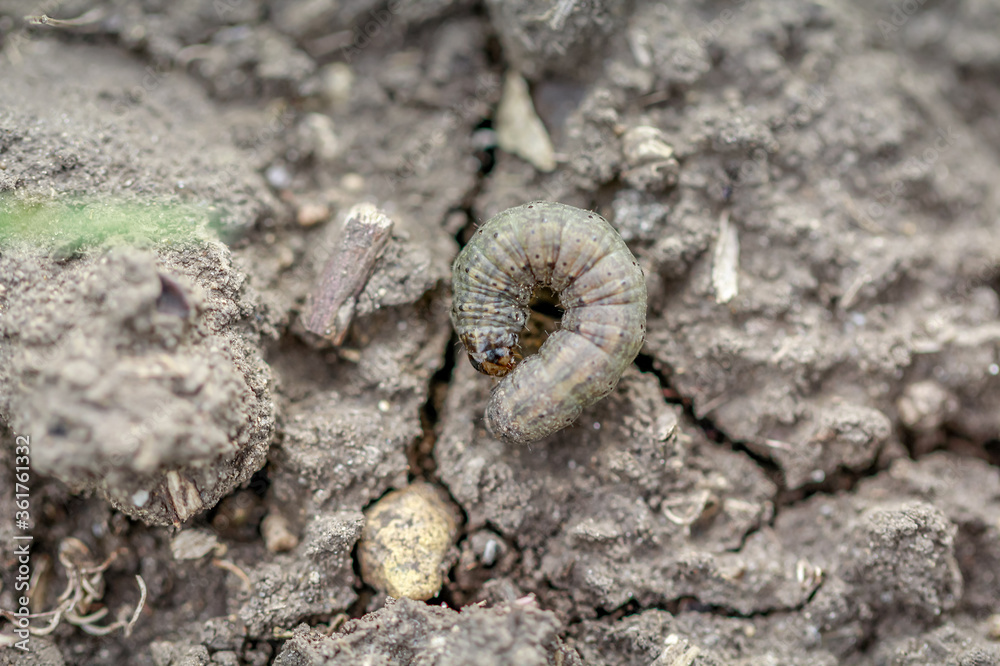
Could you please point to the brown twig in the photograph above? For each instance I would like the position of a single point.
(331, 305)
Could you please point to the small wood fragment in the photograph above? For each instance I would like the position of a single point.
(183, 496)
(331, 306)
(726, 262)
(519, 129)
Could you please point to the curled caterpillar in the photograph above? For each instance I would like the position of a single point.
(577, 254)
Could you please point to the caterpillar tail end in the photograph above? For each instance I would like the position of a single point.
(503, 426)
(519, 422)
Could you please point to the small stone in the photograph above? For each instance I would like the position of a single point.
(645, 144)
(316, 133)
(278, 537)
(353, 182)
(310, 214)
(407, 545)
(337, 82)
(925, 405)
(993, 627)
(649, 159)
(278, 176)
(488, 546)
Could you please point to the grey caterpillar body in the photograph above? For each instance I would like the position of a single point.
(577, 254)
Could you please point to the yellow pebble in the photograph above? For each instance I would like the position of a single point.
(407, 545)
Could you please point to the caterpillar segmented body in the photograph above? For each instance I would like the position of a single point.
(577, 254)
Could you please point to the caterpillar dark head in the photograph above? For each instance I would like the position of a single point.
(495, 362)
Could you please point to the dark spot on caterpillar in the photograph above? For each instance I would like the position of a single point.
(514, 411)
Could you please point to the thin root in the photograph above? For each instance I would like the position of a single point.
(232, 568)
(84, 589)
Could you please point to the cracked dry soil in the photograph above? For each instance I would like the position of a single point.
(800, 468)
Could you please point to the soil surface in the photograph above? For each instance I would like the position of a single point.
(800, 468)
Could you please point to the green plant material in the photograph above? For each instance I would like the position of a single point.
(70, 226)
